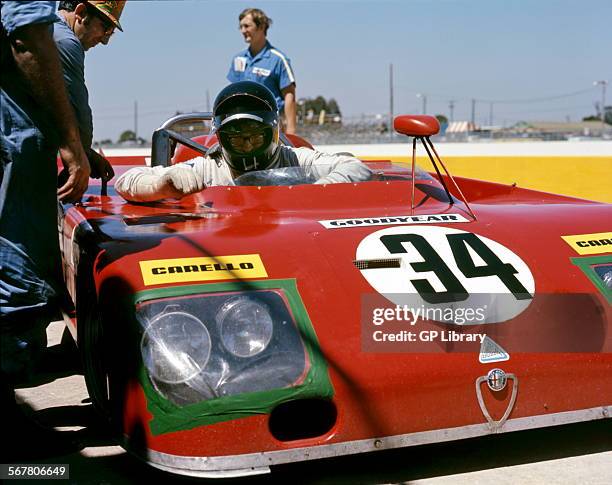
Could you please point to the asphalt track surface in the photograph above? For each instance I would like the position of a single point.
(572, 454)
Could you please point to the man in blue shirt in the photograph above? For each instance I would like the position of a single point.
(265, 64)
(36, 120)
(79, 27)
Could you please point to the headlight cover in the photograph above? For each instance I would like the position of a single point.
(245, 326)
(604, 271)
(599, 270)
(212, 345)
(175, 346)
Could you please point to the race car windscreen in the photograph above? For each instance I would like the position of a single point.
(322, 173)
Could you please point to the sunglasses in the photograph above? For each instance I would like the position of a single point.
(107, 25)
(240, 139)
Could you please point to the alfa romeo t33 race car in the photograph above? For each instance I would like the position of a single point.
(277, 321)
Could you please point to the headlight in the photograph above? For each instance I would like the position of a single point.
(175, 347)
(245, 326)
(204, 346)
(604, 271)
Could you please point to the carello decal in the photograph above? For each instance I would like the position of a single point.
(182, 270)
(393, 220)
(596, 243)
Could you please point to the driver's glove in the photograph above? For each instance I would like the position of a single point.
(179, 181)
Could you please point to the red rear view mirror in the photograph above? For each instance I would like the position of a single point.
(422, 127)
(416, 125)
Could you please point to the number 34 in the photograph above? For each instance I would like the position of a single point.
(432, 262)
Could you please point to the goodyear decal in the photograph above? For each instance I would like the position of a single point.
(183, 270)
(393, 220)
(597, 243)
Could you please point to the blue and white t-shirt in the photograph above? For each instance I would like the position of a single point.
(269, 67)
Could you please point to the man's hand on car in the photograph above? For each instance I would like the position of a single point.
(101, 168)
(77, 170)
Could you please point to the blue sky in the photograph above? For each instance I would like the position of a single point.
(509, 51)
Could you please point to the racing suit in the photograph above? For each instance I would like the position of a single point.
(145, 184)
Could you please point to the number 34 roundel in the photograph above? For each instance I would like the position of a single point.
(446, 269)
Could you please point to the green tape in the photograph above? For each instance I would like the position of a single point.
(168, 417)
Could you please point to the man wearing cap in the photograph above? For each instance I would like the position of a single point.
(79, 27)
(35, 121)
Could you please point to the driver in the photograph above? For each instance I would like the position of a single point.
(246, 121)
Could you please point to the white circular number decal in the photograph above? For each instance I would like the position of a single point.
(440, 267)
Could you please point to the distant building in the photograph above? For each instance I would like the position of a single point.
(560, 129)
(460, 130)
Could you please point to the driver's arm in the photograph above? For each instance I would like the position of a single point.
(330, 168)
(149, 184)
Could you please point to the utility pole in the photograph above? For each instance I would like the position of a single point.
(451, 107)
(473, 112)
(135, 120)
(391, 100)
(490, 114)
(207, 100)
(424, 98)
(603, 85)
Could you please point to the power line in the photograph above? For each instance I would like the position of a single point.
(535, 100)
(508, 101)
(548, 110)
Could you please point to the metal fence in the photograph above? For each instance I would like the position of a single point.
(374, 129)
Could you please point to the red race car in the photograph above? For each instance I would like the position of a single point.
(278, 321)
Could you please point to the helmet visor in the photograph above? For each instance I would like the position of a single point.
(243, 135)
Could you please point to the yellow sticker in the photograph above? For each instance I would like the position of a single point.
(597, 243)
(183, 270)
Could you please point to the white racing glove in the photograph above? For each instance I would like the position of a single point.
(180, 181)
(149, 184)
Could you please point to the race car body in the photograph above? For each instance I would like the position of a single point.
(280, 321)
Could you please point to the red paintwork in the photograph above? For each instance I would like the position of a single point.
(375, 394)
(184, 153)
(416, 125)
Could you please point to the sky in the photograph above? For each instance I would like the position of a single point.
(532, 60)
